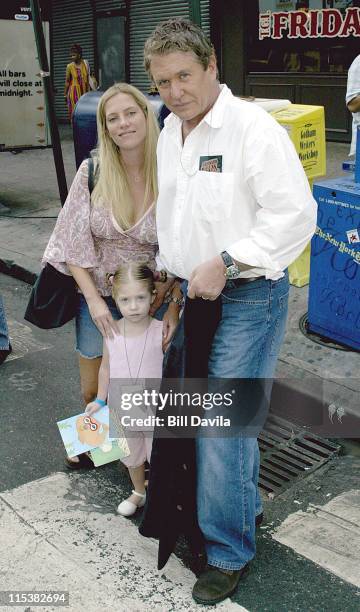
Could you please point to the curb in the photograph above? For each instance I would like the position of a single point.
(9, 267)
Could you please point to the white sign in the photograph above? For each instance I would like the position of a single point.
(22, 101)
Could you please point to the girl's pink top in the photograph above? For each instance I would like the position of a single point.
(133, 367)
(89, 237)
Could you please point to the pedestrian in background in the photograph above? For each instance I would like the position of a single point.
(114, 224)
(234, 210)
(77, 79)
(353, 99)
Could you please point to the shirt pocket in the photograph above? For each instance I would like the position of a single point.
(213, 195)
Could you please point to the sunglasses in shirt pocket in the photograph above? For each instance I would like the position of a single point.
(213, 195)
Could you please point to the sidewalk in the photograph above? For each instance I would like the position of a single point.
(87, 550)
(61, 533)
(28, 189)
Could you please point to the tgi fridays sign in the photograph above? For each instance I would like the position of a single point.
(327, 23)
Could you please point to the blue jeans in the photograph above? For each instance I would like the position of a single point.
(89, 341)
(4, 332)
(246, 345)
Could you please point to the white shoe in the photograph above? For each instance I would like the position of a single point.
(128, 508)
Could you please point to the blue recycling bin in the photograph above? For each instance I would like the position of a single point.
(84, 122)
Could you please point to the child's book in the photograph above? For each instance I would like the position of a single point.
(82, 433)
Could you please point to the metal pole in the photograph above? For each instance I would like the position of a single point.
(195, 11)
(49, 99)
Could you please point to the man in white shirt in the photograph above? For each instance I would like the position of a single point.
(234, 210)
(353, 99)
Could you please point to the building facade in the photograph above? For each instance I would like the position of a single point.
(112, 35)
(297, 50)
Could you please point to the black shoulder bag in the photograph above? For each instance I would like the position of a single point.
(53, 299)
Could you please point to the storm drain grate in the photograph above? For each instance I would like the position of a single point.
(288, 453)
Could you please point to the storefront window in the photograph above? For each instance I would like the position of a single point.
(302, 36)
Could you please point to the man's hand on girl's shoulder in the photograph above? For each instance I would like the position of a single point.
(162, 289)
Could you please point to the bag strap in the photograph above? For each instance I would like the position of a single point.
(90, 174)
(93, 173)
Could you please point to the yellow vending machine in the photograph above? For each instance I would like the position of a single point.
(305, 125)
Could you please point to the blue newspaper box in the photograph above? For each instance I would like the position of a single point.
(334, 290)
(84, 125)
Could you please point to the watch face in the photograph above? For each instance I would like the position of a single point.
(232, 272)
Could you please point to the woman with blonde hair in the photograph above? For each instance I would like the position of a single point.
(114, 224)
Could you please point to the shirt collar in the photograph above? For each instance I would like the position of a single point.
(214, 118)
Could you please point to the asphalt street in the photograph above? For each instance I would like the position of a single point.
(307, 554)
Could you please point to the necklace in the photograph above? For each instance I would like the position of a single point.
(142, 355)
(186, 172)
(136, 178)
(196, 169)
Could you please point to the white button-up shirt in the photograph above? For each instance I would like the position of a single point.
(353, 90)
(259, 208)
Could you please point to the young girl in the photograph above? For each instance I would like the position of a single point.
(134, 353)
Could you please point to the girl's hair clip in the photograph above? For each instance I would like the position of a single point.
(160, 276)
(110, 279)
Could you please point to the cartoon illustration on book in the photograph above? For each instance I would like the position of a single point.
(91, 431)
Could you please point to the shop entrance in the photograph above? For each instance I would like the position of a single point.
(110, 36)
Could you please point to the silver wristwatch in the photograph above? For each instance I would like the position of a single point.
(232, 270)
